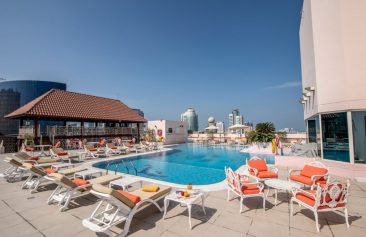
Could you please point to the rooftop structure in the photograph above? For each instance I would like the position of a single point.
(191, 118)
(235, 118)
(58, 105)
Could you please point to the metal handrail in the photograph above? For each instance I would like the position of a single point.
(128, 171)
(133, 167)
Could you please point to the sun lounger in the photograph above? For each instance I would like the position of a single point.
(38, 175)
(24, 157)
(15, 171)
(94, 152)
(114, 150)
(63, 155)
(122, 206)
(69, 189)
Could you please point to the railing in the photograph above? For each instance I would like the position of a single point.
(68, 131)
(27, 131)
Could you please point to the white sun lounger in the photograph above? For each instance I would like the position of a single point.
(119, 208)
(67, 190)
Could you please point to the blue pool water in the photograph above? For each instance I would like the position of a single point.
(184, 164)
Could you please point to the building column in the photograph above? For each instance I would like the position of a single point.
(138, 132)
(321, 136)
(350, 138)
(35, 124)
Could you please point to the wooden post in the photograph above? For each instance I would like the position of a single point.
(138, 132)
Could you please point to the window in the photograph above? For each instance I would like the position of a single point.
(170, 130)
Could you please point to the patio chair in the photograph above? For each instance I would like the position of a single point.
(38, 175)
(121, 206)
(69, 189)
(310, 175)
(63, 155)
(333, 197)
(258, 168)
(244, 186)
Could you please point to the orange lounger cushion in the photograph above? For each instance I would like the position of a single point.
(29, 149)
(93, 149)
(62, 154)
(267, 174)
(33, 158)
(259, 165)
(80, 182)
(50, 171)
(133, 198)
(309, 171)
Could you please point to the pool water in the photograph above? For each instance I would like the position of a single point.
(188, 163)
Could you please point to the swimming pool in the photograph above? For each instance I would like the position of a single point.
(188, 163)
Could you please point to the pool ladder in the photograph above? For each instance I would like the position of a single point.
(125, 165)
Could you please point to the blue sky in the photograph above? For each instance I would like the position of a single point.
(163, 56)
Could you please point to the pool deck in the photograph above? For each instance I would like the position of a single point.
(25, 214)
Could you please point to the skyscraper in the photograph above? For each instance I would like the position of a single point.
(191, 118)
(221, 127)
(235, 118)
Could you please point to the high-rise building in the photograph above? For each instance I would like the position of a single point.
(235, 118)
(14, 94)
(333, 55)
(221, 127)
(191, 118)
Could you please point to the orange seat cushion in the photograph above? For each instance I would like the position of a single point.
(133, 198)
(33, 158)
(50, 171)
(301, 179)
(248, 189)
(80, 182)
(309, 171)
(29, 149)
(114, 148)
(259, 165)
(93, 149)
(267, 174)
(62, 154)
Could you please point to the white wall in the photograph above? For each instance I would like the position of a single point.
(179, 130)
(333, 55)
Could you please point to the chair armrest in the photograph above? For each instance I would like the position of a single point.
(273, 169)
(292, 171)
(315, 177)
(253, 169)
(295, 191)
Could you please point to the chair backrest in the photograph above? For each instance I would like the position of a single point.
(111, 196)
(257, 163)
(55, 151)
(62, 180)
(88, 147)
(318, 164)
(334, 194)
(232, 179)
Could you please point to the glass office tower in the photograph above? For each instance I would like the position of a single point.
(14, 94)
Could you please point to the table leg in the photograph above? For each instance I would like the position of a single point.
(267, 191)
(203, 204)
(166, 204)
(275, 197)
(189, 215)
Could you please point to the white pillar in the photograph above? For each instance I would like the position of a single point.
(350, 138)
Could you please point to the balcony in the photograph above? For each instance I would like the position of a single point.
(68, 131)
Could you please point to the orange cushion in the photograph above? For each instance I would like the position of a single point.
(249, 189)
(50, 171)
(29, 149)
(80, 182)
(33, 158)
(114, 148)
(309, 171)
(260, 165)
(93, 149)
(133, 198)
(301, 179)
(62, 154)
(267, 174)
(305, 198)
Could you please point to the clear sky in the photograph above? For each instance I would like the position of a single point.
(163, 56)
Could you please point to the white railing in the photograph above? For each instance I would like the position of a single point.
(68, 131)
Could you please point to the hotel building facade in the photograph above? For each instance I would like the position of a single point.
(333, 56)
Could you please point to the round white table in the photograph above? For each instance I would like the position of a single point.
(278, 184)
